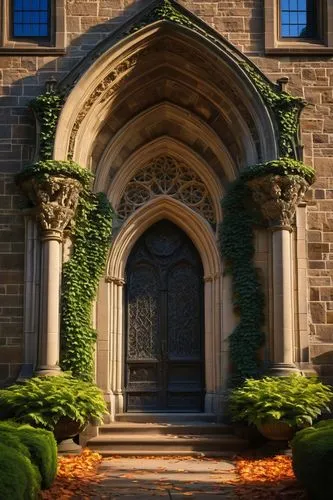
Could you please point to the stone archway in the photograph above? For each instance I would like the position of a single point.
(110, 324)
(164, 89)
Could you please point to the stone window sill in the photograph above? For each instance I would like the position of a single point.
(299, 48)
(32, 51)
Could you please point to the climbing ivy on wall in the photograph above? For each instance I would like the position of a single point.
(91, 232)
(91, 240)
(285, 107)
(47, 108)
(81, 274)
(237, 249)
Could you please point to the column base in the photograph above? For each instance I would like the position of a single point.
(46, 371)
(282, 370)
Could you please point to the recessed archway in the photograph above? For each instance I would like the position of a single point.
(164, 89)
(109, 316)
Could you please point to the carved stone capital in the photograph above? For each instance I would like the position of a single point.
(116, 281)
(278, 197)
(55, 199)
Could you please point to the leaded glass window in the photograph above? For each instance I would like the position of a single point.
(31, 18)
(298, 19)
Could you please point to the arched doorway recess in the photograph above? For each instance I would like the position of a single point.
(175, 90)
(164, 346)
(111, 302)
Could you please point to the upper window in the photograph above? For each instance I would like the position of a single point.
(298, 26)
(31, 18)
(298, 19)
(32, 26)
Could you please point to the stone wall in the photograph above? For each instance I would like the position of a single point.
(242, 22)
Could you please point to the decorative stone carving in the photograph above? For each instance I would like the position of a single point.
(116, 281)
(278, 197)
(55, 198)
(168, 49)
(165, 175)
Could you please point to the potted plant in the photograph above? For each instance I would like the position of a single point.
(278, 406)
(62, 404)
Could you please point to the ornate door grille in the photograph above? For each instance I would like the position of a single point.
(164, 343)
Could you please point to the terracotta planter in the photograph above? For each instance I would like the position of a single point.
(67, 428)
(276, 430)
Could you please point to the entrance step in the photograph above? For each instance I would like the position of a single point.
(169, 439)
(165, 417)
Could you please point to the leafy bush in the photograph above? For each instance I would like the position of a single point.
(295, 400)
(312, 450)
(43, 169)
(19, 478)
(41, 445)
(42, 401)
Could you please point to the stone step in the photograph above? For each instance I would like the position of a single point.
(165, 428)
(165, 417)
(165, 453)
(150, 444)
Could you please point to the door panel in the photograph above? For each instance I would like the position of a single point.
(164, 343)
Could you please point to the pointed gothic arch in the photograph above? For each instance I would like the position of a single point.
(110, 307)
(162, 87)
(152, 60)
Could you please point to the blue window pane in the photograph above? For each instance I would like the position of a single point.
(285, 18)
(285, 30)
(33, 16)
(298, 18)
(43, 30)
(294, 31)
(17, 4)
(34, 30)
(43, 17)
(18, 30)
(302, 18)
(18, 18)
(303, 30)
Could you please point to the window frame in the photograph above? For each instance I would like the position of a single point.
(316, 21)
(36, 38)
(54, 43)
(276, 44)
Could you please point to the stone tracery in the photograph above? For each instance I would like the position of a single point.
(165, 175)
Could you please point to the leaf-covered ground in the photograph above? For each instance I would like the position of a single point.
(80, 476)
(267, 479)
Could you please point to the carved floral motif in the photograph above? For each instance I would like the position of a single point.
(278, 197)
(118, 75)
(56, 199)
(166, 176)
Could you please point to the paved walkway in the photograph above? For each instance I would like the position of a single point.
(166, 478)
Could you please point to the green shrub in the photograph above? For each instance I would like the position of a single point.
(19, 478)
(312, 450)
(43, 450)
(41, 445)
(42, 401)
(295, 400)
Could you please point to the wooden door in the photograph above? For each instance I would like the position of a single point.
(164, 341)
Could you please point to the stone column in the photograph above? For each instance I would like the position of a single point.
(55, 200)
(278, 197)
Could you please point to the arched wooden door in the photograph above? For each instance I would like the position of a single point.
(164, 341)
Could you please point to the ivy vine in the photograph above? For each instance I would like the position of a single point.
(43, 169)
(47, 108)
(81, 274)
(237, 249)
(285, 107)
